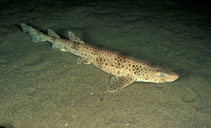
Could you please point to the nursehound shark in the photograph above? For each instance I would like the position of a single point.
(124, 70)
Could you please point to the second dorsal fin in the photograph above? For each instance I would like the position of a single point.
(74, 38)
(52, 33)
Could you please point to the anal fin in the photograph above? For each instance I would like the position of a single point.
(118, 83)
(54, 35)
(54, 45)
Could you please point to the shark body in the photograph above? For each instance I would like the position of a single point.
(124, 70)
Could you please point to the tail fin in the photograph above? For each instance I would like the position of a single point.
(36, 35)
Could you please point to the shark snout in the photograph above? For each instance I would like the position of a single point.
(172, 77)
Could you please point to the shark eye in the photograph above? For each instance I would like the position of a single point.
(162, 74)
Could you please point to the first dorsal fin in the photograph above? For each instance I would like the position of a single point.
(52, 33)
(74, 38)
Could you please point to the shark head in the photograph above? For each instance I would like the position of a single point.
(158, 75)
(164, 75)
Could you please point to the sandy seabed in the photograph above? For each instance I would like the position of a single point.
(45, 88)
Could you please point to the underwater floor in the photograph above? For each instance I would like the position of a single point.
(45, 88)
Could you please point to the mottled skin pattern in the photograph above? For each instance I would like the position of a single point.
(124, 70)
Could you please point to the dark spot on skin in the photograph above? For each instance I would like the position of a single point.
(65, 48)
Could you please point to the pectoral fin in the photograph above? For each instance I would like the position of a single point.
(118, 83)
(81, 60)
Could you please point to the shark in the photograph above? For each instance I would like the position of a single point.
(125, 70)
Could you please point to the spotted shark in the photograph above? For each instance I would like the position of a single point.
(124, 70)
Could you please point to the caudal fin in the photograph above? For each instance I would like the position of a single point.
(36, 35)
